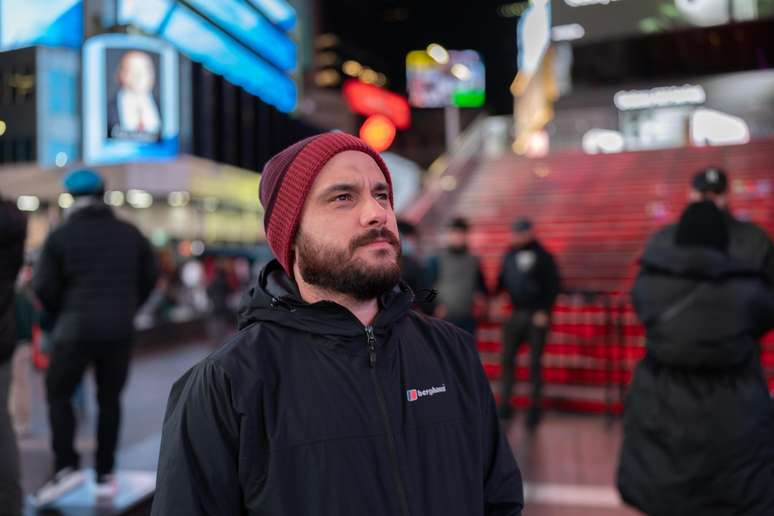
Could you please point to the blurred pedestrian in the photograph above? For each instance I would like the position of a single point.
(456, 275)
(13, 232)
(413, 271)
(748, 243)
(219, 292)
(530, 277)
(335, 398)
(26, 321)
(93, 273)
(699, 420)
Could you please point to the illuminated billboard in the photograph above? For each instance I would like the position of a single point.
(132, 86)
(252, 29)
(235, 42)
(440, 78)
(279, 12)
(369, 99)
(55, 23)
(586, 21)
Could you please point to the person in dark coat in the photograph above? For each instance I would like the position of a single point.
(413, 271)
(530, 277)
(699, 420)
(219, 290)
(335, 398)
(13, 232)
(749, 243)
(93, 274)
(456, 275)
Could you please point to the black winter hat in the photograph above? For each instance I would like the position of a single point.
(702, 224)
(710, 180)
(460, 223)
(521, 225)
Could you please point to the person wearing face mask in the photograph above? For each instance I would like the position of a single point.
(456, 274)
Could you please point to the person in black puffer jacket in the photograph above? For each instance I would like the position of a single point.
(698, 423)
(93, 274)
(13, 231)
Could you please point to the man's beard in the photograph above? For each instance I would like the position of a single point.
(340, 271)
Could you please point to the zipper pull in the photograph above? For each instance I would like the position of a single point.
(371, 346)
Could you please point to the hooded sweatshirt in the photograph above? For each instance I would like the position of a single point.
(307, 412)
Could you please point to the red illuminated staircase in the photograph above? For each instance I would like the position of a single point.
(595, 212)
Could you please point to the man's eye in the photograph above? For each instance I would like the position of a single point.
(344, 197)
(382, 196)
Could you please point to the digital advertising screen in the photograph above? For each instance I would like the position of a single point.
(443, 78)
(132, 84)
(56, 23)
(229, 38)
(587, 21)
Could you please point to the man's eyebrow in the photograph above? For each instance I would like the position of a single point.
(380, 186)
(339, 188)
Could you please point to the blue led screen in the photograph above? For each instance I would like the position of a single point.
(218, 51)
(55, 23)
(251, 28)
(279, 12)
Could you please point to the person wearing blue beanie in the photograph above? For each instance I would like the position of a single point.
(95, 270)
(83, 182)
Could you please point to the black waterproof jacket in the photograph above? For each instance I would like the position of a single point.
(307, 412)
(699, 421)
(93, 274)
(13, 231)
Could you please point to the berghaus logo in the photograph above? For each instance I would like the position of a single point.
(415, 394)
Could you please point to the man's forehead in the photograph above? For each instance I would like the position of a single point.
(349, 167)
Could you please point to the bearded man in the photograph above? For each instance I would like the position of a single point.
(335, 399)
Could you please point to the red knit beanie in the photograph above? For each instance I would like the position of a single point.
(287, 179)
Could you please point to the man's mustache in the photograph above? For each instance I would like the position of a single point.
(372, 236)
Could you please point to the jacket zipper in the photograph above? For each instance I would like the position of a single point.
(383, 407)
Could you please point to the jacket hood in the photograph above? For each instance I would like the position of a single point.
(276, 298)
(696, 262)
(716, 327)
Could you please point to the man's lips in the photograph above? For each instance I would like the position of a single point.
(380, 242)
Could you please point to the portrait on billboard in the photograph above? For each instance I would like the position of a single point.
(133, 95)
(132, 83)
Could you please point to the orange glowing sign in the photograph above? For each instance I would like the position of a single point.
(368, 99)
(378, 131)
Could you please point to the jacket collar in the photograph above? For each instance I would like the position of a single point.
(276, 298)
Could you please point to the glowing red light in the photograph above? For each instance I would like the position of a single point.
(378, 131)
(368, 99)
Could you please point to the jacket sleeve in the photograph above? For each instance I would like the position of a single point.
(503, 489)
(13, 231)
(768, 264)
(148, 270)
(48, 279)
(433, 270)
(550, 282)
(480, 281)
(763, 310)
(501, 286)
(198, 470)
(13, 224)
